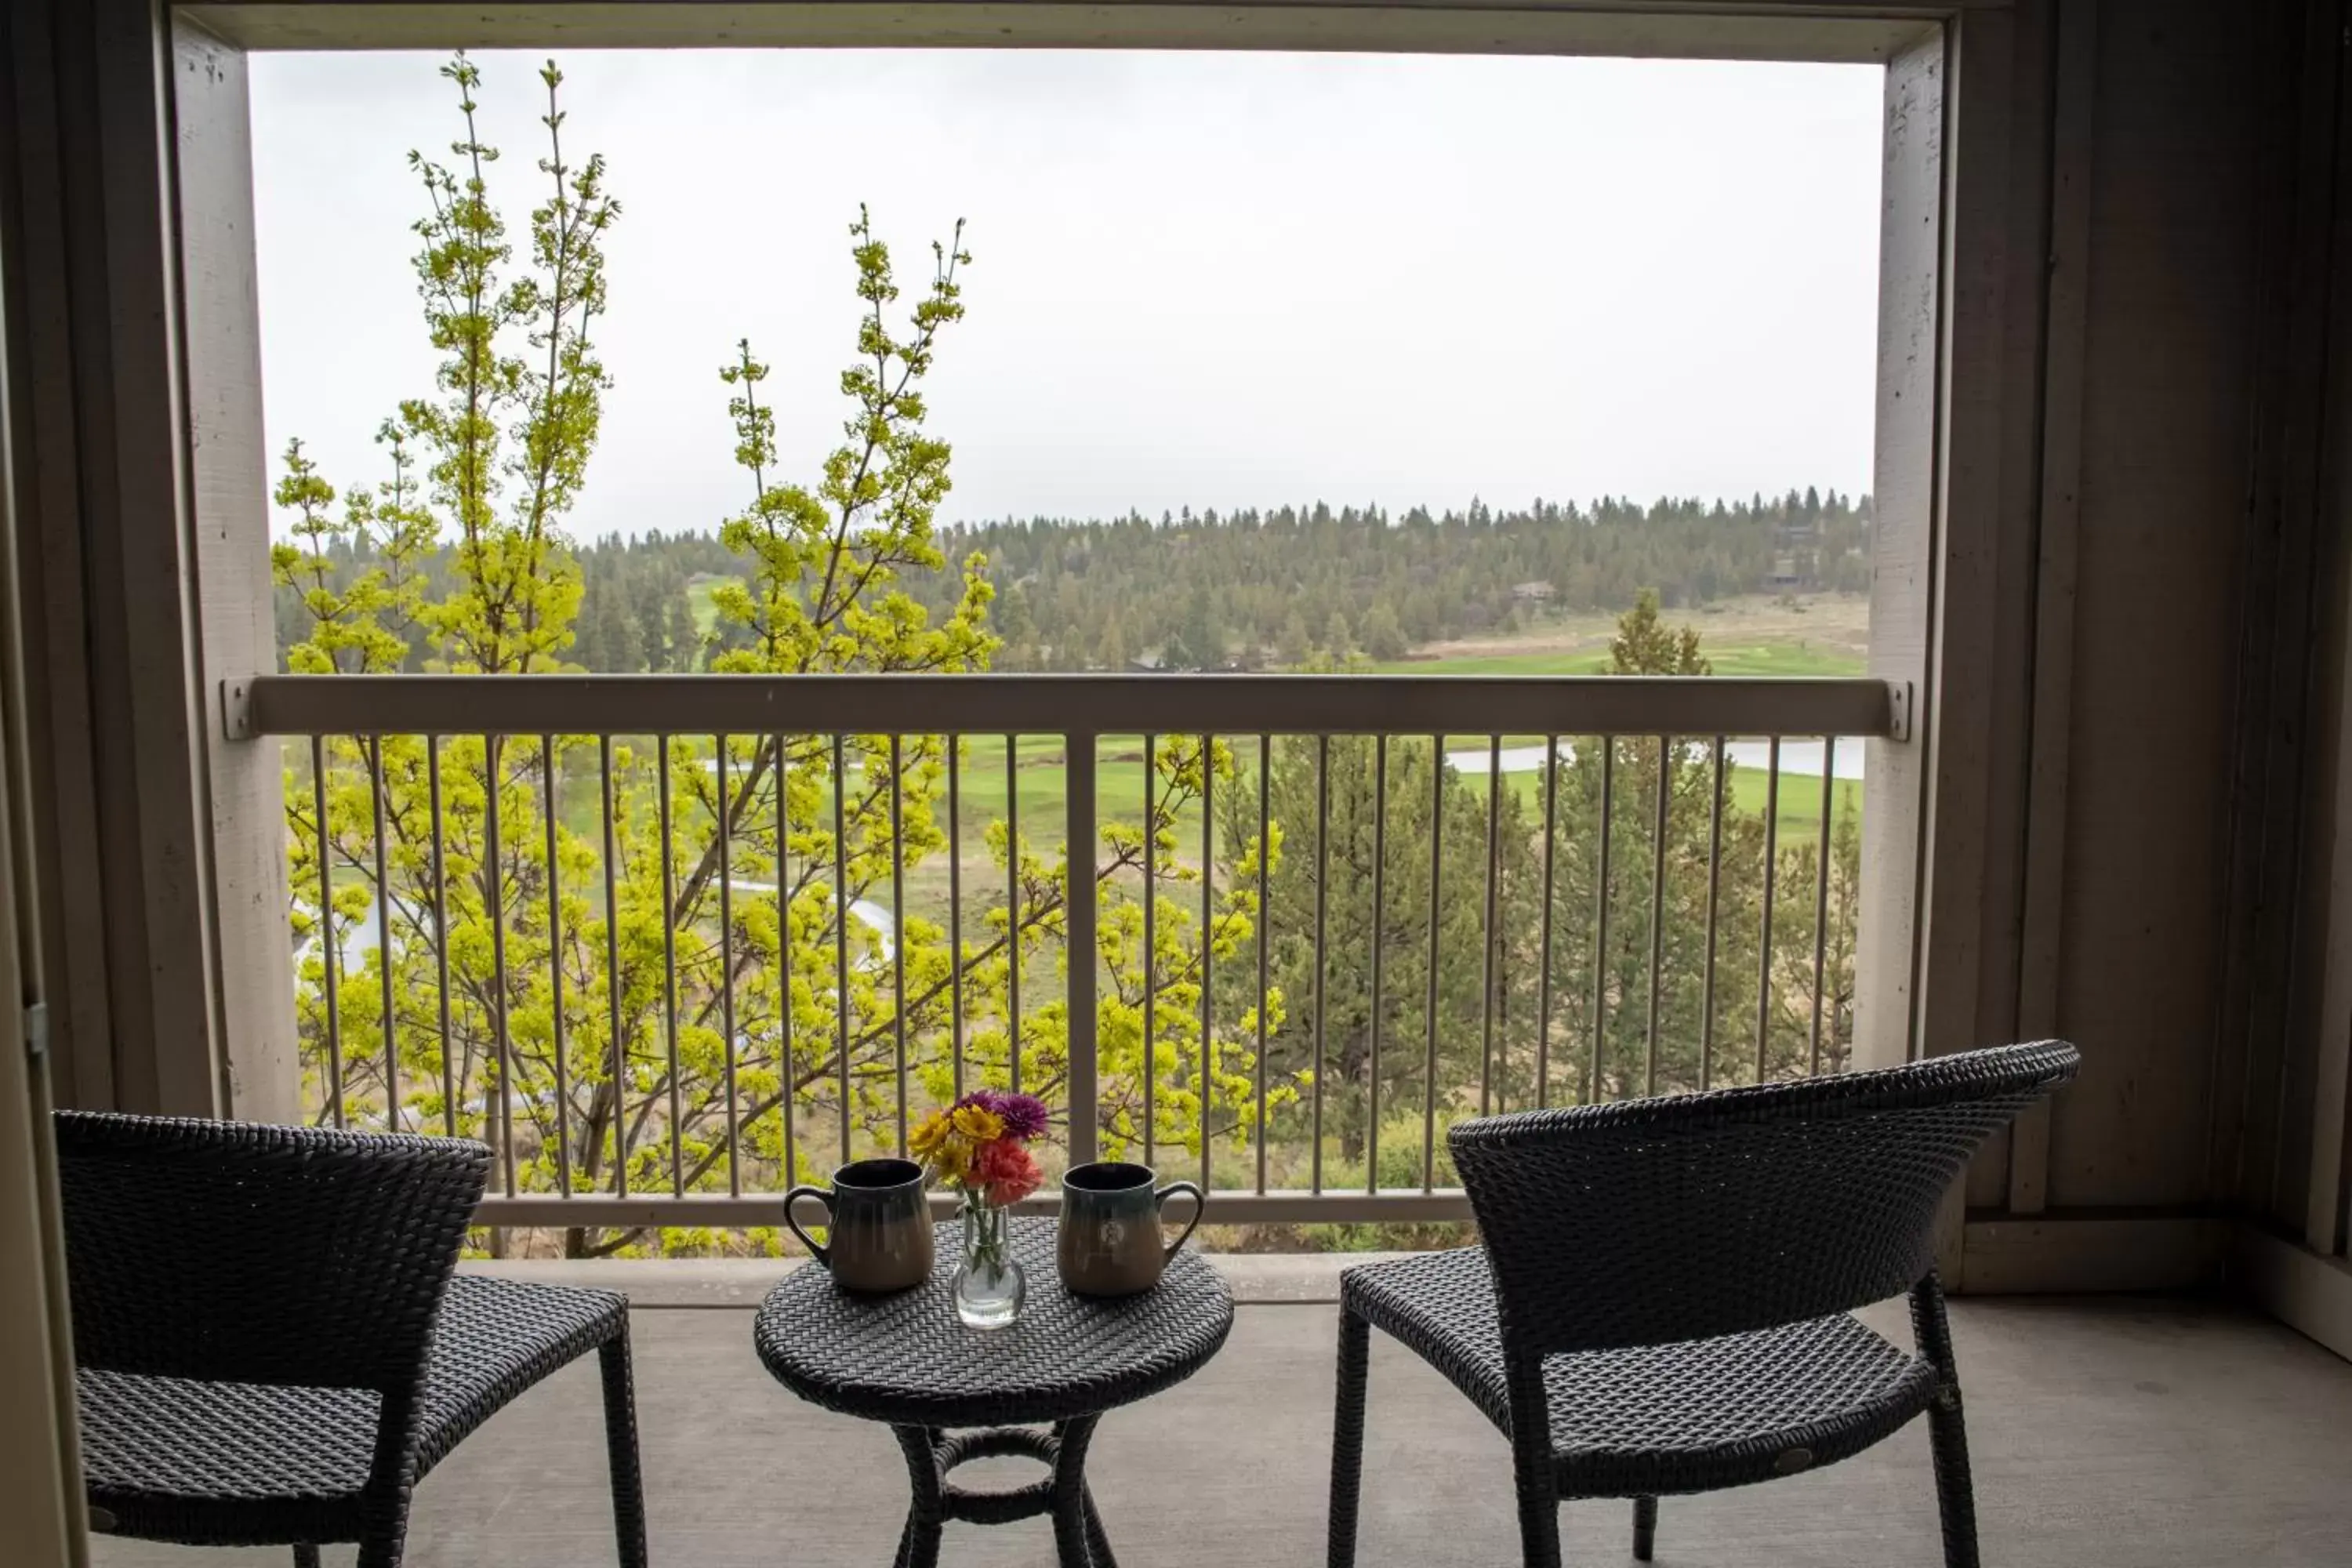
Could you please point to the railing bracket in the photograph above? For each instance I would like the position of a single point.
(236, 710)
(1898, 711)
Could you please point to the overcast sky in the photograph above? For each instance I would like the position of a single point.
(1211, 279)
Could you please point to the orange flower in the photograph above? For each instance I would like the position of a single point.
(1007, 1171)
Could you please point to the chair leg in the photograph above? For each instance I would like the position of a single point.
(383, 1551)
(1645, 1528)
(1348, 1436)
(1535, 1475)
(621, 1446)
(1538, 1494)
(1947, 1438)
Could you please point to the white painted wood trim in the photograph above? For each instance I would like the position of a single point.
(1903, 486)
(2307, 1292)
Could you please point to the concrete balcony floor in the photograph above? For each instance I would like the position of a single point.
(2139, 1433)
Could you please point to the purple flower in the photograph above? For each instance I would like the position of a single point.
(1024, 1115)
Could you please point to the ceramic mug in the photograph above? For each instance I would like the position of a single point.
(881, 1228)
(1109, 1242)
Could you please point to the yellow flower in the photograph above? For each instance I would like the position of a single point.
(979, 1124)
(939, 1146)
(928, 1137)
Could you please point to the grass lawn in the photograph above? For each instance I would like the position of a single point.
(1765, 658)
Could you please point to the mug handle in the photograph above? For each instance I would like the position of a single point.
(822, 1254)
(1200, 1207)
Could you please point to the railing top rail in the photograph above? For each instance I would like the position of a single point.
(998, 704)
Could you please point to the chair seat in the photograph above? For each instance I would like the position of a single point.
(1658, 1419)
(175, 1459)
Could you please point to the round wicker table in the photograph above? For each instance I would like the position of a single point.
(953, 1393)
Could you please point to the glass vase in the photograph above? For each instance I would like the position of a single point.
(989, 1287)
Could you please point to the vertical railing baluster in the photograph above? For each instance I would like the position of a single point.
(618, 1111)
(1151, 951)
(1821, 893)
(670, 969)
(840, 935)
(1436, 929)
(1543, 922)
(1486, 946)
(441, 934)
(328, 957)
(787, 1080)
(1772, 866)
(495, 901)
(1012, 907)
(1600, 919)
(955, 911)
(547, 795)
(724, 827)
(1657, 917)
(1322, 932)
(1081, 757)
(1264, 919)
(383, 938)
(1714, 891)
(1208, 942)
(898, 929)
(1379, 920)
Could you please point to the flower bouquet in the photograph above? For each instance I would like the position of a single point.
(979, 1147)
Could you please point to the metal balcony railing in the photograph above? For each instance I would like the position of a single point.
(668, 941)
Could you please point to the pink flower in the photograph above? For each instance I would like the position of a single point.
(1007, 1171)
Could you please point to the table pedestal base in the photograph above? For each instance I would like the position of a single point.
(931, 1453)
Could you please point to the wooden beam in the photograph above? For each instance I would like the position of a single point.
(252, 960)
(1860, 31)
(1902, 537)
(1971, 735)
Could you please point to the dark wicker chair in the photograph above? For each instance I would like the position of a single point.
(271, 1348)
(1662, 1301)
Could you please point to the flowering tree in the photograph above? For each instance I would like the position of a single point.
(692, 1029)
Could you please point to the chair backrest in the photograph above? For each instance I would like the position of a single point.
(1653, 1221)
(224, 1252)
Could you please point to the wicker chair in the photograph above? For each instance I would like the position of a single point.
(1662, 1301)
(270, 1346)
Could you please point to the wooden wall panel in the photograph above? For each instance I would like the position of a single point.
(2268, 1006)
(2169, 369)
(46, 497)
